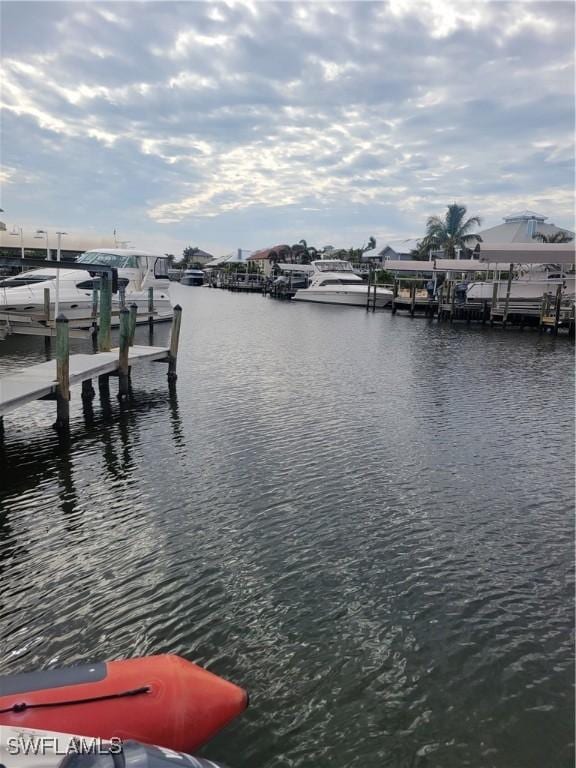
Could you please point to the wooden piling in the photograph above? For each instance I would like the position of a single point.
(87, 390)
(151, 308)
(412, 298)
(47, 304)
(104, 342)
(62, 372)
(369, 286)
(133, 316)
(122, 295)
(395, 295)
(508, 290)
(94, 313)
(557, 310)
(174, 339)
(493, 306)
(123, 353)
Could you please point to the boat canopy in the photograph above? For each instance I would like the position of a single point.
(527, 253)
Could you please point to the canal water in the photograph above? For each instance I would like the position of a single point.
(365, 520)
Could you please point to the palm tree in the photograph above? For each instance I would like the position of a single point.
(451, 232)
(371, 245)
(556, 237)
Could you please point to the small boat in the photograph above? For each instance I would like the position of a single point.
(192, 277)
(138, 271)
(25, 747)
(335, 282)
(155, 699)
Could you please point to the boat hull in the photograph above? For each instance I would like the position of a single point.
(156, 699)
(77, 310)
(345, 298)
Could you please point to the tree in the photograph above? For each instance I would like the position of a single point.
(356, 254)
(170, 259)
(451, 232)
(555, 237)
(304, 253)
(189, 255)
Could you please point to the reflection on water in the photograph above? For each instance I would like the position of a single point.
(364, 519)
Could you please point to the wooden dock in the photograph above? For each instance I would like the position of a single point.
(52, 380)
(39, 382)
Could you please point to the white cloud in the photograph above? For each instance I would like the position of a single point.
(201, 112)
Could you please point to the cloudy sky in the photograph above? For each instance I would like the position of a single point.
(245, 124)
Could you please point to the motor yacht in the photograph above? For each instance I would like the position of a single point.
(192, 277)
(138, 271)
(335, 282)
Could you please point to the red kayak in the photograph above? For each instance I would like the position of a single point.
(162, 700)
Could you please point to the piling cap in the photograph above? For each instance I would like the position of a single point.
(178, 308)
(124, 311)
(61, 318)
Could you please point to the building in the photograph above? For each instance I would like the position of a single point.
(266, 258)
(521, 228)
(397, 250)
(13, 241)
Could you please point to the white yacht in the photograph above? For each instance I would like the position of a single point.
(335, 282)
(192, 277)
(528, 283)
(138, 271)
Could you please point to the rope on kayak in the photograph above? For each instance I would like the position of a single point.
(22, 707)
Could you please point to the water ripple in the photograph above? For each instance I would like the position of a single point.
(366, 521)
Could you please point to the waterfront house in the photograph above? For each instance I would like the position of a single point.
(268, 257)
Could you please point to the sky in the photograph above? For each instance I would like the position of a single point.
(249, 124)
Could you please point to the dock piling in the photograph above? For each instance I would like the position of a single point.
(557, 310)
(123, 353)
(133, 316)
(508, 290)
(151, 308)
(104, 342)
(88, 391)
(174, 339)
(62, 372)
(47, 304)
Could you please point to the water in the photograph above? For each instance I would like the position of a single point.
(365, 520)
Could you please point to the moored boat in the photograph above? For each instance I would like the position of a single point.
(156, 699)
(192, 277)
(335, 282)
(138, 271)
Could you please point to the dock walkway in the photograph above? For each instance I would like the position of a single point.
(40, 381)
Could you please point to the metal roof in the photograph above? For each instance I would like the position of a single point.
(528, 253)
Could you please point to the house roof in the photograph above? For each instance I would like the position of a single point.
(520, 228)
(276, 251)
(525, 216)
(400, 246)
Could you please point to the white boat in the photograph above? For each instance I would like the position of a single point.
(192, 277)
(529, 283)
(23, 294)
(335, 282)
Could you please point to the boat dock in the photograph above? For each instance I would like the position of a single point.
(52, 380)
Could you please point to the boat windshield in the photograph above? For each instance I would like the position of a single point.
(334, 266)
(120, 261)
(24, 279)
(342, 282)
